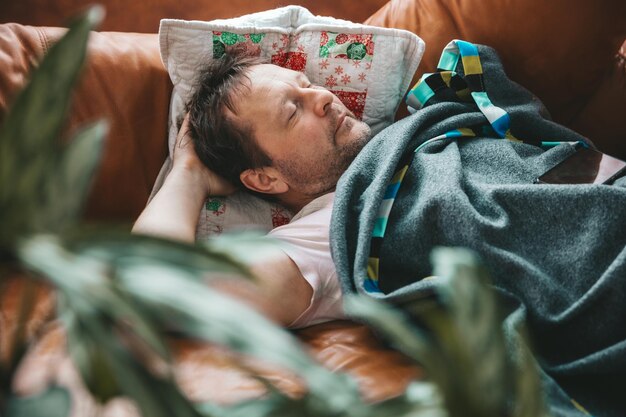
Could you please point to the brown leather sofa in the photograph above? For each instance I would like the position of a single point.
(570, 53)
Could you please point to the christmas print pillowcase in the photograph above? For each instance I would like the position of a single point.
(368, 68)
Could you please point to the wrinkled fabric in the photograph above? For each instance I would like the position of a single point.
(556, 253)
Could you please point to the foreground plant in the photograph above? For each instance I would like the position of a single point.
(118, 294)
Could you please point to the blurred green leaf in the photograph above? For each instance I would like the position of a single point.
(86, 287)
(156, 397)
(67, 186)
(89, 358)
(54, 402)
(471, 335)
(89, 300)
(118, 248)
(247, 247)
(32, 197)
(261, 407)
(421, 399)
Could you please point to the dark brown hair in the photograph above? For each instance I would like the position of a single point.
(226, 147)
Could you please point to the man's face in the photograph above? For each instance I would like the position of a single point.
(307, 132)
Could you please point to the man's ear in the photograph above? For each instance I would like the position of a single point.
(264, 180)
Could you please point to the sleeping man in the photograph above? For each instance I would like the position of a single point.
(445, 176)
(304, 139)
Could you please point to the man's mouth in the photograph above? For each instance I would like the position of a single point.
(340, 119)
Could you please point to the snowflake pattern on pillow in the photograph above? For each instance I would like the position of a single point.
(344, 59)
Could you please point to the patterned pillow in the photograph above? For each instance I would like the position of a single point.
(368, 68)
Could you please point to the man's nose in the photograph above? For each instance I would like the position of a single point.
(320, 100)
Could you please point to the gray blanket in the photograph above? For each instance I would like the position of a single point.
(556, 253)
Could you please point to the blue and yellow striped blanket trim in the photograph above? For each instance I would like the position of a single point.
(468, 88)
(450, 85)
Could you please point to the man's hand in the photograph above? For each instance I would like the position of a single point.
(174, 210)
(185, 158)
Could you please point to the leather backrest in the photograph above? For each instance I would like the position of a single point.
(144, 16)
(564, 51)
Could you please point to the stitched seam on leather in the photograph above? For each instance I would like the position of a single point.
(43, 41)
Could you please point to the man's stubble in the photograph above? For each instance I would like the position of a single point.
(310, 178)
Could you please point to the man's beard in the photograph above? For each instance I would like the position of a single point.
(310, 178)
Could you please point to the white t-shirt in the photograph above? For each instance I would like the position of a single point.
(308, 247)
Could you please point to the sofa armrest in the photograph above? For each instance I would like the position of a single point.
(123, 82)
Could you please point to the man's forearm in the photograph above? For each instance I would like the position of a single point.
(174, 210)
